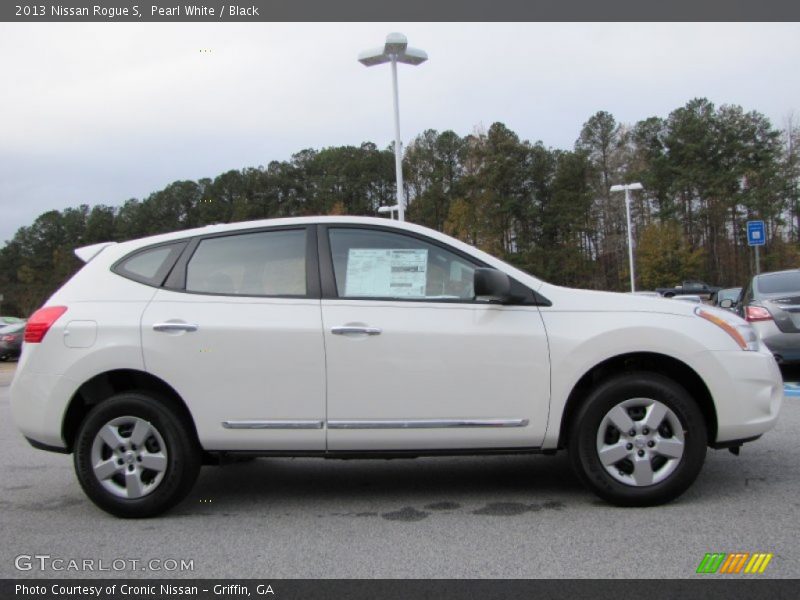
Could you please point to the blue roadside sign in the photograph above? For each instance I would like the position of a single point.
(755, 233)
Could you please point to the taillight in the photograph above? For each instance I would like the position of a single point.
(41, 321)
(757, 313)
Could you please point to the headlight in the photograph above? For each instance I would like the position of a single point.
(741, 331)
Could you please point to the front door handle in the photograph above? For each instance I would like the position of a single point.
(351, 330)
(170, 326)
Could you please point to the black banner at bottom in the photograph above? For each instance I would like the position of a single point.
(383, 589)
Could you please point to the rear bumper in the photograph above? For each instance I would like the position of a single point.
(784, 346)
(45, 447)
(38, 404)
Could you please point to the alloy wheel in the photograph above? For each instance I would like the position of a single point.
(640, 442)
(129, 457)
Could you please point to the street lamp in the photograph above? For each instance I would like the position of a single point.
(627, 189)
(395, 50)
(388, 209)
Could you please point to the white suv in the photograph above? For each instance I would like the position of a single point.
(359, 337)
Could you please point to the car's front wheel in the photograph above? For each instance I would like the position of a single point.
(639, 439)
(135, 456)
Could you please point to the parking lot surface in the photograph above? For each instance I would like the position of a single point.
(497, 516)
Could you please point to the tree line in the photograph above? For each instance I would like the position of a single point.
(706, 171)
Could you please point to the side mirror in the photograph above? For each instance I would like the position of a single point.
(492, 284)
(727, 303)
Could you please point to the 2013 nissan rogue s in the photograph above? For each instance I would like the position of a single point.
(362, 337)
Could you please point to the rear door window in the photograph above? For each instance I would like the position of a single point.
(265, 263)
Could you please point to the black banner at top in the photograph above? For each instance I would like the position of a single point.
(407, 10)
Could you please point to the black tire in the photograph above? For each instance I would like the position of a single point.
(182, 455)
(584, 440)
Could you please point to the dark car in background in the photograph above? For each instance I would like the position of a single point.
(691, 288)
(11, 340)
(771, 303)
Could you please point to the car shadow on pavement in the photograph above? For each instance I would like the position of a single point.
(791, 373)
(437, 482)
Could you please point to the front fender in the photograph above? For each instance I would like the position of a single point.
(579, 341)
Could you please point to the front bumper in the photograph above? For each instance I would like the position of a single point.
(747, 389)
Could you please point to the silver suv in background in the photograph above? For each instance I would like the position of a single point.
(771, 303)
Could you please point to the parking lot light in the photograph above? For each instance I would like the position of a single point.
(627, 189)
(389, 209)
(395, 50)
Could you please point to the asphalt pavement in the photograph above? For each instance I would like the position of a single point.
(498, 516)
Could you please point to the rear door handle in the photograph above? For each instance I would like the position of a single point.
(350, 330)
(175, 326)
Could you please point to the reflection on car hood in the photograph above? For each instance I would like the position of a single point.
(571, 299)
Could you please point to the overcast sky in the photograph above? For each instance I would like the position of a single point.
(99, 113)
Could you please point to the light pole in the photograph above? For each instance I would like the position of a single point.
(388, 209)
(395, 50)
(627, 189)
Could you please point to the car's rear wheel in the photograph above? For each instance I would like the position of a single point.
(639, 439)
(135, 456)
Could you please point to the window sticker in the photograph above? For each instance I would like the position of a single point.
(386, 273)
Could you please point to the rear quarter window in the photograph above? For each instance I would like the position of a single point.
(150, 265)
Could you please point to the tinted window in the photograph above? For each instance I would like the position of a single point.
(268, 263)
(779, 283)
(147, 264)
(151, 265)
(379, 264)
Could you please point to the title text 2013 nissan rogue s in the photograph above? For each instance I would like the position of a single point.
(349, 337)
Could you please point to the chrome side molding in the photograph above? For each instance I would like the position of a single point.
(425, 423)
(276, 424)
(378, 424)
